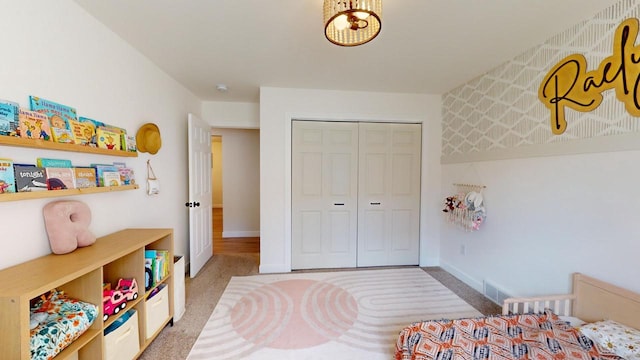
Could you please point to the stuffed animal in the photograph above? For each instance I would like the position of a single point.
(67, 223)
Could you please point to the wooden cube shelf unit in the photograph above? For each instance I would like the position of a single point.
(80, 275)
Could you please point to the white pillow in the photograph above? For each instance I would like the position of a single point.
(573, 321)
(620, 339)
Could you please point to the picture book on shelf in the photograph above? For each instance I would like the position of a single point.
(7, 178)
(48, 162)
(60, 178)
(85, 177)
(126, 176)
(59, 115)
(108, 138)
(148, 273)
(62, 135)
(111, 178)
(123, 135)
(34, 125)
(157, 261)
(93, 124)
(30, 178)
(83, 132)
(9, 118)
(101, 169)
(130, 143)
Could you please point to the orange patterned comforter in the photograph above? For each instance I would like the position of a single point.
(524, 336)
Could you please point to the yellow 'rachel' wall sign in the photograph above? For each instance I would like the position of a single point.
(569, 85)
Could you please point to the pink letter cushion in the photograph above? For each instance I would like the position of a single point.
(67, 223)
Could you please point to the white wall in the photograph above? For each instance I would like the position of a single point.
(279, 105)
(240, 181)
(55, 50)
(236, 115)
(548, 217)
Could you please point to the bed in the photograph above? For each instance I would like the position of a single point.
(597, 320)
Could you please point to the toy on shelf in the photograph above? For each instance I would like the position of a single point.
(115, 300)
(112, 302)
(129, 288)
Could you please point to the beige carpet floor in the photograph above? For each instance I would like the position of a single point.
(203, 293)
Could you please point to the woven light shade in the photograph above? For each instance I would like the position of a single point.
(352, 22)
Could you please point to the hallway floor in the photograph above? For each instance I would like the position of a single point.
(241, 245)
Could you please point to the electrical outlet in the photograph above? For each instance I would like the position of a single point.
(463, 249)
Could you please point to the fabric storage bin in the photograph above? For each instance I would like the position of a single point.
(123, 343)
(156, 311)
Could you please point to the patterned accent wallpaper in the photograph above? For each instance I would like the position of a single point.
(500, 110)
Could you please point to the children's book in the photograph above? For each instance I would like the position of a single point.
(59, 115)
(30, 178)
(34, 125)
(130, 143)
(9, 118)
(101, 169)
(93, 124)
(108, 138)
(148, 272)
(47, 162)
(163, 257)
(7, 178)
(62, 135)
(82, 132)
(151, 266)
(126, 176)
(123, 135)
(60, 178)
(111, 178)
(85, 177)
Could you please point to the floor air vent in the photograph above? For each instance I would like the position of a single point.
(494, 293)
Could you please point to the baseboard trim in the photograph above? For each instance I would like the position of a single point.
(273, 268)
(238, 234)
(462, 276)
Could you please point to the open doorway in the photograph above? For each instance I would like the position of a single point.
(235, 171)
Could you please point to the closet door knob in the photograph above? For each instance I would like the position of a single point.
(338, 204)
(374, 203)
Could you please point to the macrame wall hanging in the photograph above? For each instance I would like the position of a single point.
(466, 207)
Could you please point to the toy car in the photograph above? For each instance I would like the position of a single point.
(112, 302)
(129, 288)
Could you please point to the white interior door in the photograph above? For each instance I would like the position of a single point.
(324, 198)
(199, 203)
(389, 194)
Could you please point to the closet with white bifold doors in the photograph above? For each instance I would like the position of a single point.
(355, 194)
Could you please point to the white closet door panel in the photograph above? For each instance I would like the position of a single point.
(389, 185)
(311, 242)
(373, 229)
(340, 241)
(340, 176)
(324, 182)
(401, 233)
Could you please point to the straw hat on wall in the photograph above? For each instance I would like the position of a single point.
(148, 138)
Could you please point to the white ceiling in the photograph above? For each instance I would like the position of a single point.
(425, 46)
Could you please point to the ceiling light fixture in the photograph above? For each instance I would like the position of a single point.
(222, 88)
(352, 22)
